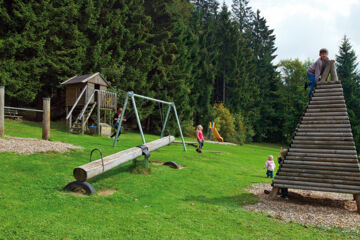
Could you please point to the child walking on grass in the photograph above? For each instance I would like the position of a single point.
(270, 166)
(200, 138)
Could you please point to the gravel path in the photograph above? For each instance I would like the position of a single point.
(308, 207)
(31, 145)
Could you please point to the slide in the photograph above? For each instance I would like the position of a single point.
(216, 133)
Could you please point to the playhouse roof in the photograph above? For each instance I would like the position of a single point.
(84, 79)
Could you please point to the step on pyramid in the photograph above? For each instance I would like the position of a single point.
(322, 155)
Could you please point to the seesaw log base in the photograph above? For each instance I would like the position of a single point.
(95, 168)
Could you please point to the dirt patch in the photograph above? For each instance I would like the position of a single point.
(308, 207)
(31, 145)
(76, 194)
(156, 163)
(107, 192)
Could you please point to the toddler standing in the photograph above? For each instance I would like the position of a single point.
(200, 138)
(270, 166)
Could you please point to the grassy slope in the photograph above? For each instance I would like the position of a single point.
(33, 207)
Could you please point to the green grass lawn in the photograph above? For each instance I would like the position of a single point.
(202, 201)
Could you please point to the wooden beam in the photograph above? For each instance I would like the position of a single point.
(324, 189)
(274, 193)
(317, 184)
(322, 159)
(2, 107)
(324, 172)
(92, 169)
(326, 142)
(46, 119)
(357, 199)
(319, 176)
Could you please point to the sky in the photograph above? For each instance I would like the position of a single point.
(302, 27)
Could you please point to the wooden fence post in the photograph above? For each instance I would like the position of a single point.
(46, 119)
(2, 105)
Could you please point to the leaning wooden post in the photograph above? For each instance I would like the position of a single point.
(2, 106)
(334, 76)
(357, 199)
(274, 193)
(46, 119)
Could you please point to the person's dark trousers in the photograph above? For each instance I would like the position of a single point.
(201, 144)
(311, 83)
(269, 174)
(284, 192)
(116, 126)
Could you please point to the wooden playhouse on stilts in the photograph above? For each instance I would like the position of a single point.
(322, 155)
(86, 95)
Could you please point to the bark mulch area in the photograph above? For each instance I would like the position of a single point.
(31, 145)
(308, 207)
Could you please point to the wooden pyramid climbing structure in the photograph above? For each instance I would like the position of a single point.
(322, 155)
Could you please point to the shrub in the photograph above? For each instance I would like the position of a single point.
(224, 122)
(244, 131)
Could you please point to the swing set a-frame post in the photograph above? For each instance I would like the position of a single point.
(131, 95)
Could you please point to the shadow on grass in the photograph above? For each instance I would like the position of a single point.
(239, 200)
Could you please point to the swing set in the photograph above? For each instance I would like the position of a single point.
(171, 105)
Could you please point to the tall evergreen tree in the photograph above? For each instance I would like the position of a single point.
(346, 62)
(204, 26)
(118, 33)
(40, 46)
(172, 66)
(263, 44)
(242, 13)
(226, 59)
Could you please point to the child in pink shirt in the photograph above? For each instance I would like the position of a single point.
(200, 138)
(270, 166)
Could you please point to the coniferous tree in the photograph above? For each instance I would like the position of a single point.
(172, 67)
(346, 62)
(263, 44)
(250, 91)
(226, 59)
(41, 46)
(118, 32)
(243, 14)
(204, 26)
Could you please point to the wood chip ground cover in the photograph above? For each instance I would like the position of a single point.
(32, 145)
(308, 207)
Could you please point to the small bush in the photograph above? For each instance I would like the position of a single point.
(233, 128)
(224, 122)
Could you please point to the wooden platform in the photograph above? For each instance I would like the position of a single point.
(322, 155)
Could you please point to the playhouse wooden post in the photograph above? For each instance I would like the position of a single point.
(46, 119)
(98, 112)
(2, 106)
(82, 125)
